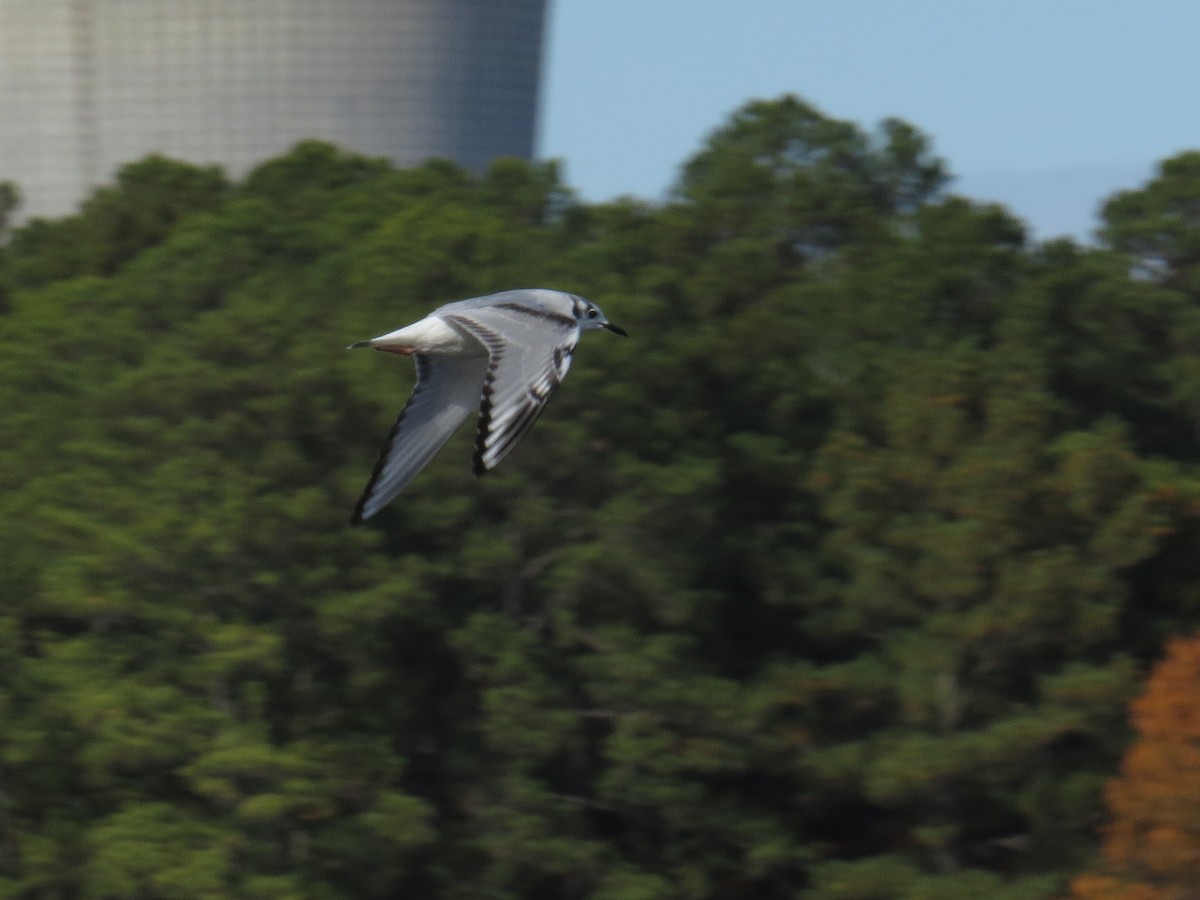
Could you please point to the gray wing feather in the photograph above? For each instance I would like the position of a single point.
(529, 353)
(447, 391)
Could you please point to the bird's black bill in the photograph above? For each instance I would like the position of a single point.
(616, 329)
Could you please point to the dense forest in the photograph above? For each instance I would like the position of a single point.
(835, 580)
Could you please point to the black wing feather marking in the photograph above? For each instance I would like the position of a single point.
(519, 426)
(546, 314)
(500, 431)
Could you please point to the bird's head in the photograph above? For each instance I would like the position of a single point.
(590, 316)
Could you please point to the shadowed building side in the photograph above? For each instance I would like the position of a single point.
(88, 85)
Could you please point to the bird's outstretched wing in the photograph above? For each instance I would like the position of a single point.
(448, 389)
(529, 353)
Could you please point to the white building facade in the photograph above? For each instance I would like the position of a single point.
(89, 85)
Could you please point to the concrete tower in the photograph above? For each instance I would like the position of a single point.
(88, 85)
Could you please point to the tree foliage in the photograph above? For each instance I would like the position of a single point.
(834, 579)
(1151, 851)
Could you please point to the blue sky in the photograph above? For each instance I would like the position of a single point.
(1047, 106)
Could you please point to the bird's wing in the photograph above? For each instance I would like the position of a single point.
(447, 391)
(529, 353)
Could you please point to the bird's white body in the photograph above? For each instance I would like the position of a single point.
(504, 353)
(433, 335)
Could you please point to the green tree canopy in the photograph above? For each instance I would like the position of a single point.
(833, 580)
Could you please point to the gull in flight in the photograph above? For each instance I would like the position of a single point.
(504, 353)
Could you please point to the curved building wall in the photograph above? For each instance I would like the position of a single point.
(88, 85)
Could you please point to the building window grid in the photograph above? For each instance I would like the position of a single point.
(237, 79)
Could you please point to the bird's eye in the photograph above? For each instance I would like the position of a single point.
(592, 313)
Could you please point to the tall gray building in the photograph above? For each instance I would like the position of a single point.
(88, 85)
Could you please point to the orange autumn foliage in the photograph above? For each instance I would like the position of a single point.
(1152, 844)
